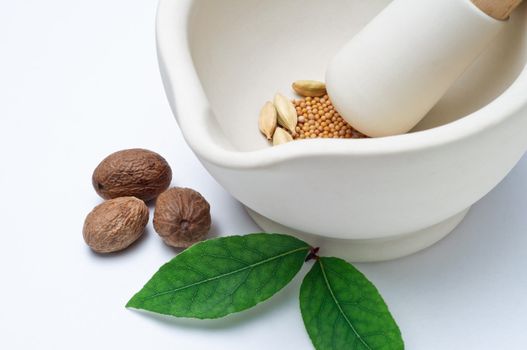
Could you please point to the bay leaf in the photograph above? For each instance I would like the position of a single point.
(222, 276)
(342, 309)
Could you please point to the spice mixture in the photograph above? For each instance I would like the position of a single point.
(317, 118)
(308, 117)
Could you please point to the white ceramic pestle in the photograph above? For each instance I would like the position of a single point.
(389, 76)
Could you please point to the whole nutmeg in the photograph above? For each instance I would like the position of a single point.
(135, 172)
(182, 217)
(116, 224)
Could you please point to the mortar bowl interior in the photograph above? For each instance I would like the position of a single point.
(246, 51)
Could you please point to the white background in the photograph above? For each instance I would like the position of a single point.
(79, 80)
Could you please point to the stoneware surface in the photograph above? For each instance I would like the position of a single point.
(221, 60)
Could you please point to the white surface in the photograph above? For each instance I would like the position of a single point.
(79, 80)
(391, 74)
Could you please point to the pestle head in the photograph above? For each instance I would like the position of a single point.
(392, 73)
(499, 9)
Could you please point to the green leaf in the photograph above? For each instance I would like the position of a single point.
(343, 310)
(222, 276)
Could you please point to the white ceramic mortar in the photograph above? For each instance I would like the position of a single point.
(365, 200)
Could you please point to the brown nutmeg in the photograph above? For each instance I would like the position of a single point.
(182, 217)
(135, 172)
(115, 225)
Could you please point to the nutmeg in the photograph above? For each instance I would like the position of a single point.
(182, 217)
(135, 172)
(116, 224)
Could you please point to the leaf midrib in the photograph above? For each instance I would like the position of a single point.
(228, 273)
(328, 285)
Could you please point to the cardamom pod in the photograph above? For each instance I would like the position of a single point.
(268, 120)
(281, 136)
(309, 88)
(287, 116)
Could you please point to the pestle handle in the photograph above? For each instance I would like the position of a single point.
(498, 9)
(383, 88)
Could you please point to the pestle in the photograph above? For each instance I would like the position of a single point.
(391, 74)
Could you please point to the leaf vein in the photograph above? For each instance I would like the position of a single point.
(224, 257)
(249, 266)
(257, 252)
(328, 285)
(231, 294)
(192, 300)
(272, 275)
(229, 252)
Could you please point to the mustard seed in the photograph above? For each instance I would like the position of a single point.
(318, 118)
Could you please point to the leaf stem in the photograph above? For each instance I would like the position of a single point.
(313, 254)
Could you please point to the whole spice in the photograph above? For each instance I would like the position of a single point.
(287, 115)
(314, 116)
(317, 118)
(281, 136)
(182, 217)
(309, 88)
(116, 224)
(268, 120)
(135, 172)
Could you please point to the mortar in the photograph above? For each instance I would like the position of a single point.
(364, 200)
